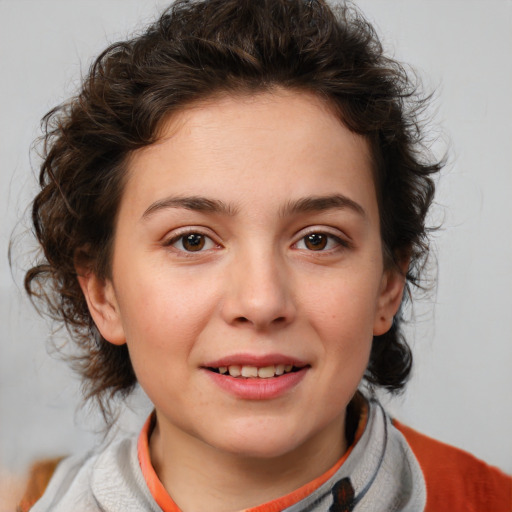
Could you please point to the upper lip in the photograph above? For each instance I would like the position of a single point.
(259, 361)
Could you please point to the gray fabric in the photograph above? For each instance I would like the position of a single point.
(108, 481)
(382, 470)
(384, 473)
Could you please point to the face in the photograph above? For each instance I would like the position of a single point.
(247, 275)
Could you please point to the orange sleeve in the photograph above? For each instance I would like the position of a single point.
(39, 477)
(456, 480)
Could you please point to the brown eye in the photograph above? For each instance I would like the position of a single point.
(193, 242)
(316, 241)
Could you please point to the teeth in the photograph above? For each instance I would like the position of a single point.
(264, 372)
(249, 371)
(234, 371)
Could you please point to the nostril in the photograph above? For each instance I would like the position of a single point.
(244, 320)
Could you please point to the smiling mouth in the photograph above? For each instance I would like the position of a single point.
(256, 372)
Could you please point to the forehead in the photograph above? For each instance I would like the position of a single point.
(252, 147)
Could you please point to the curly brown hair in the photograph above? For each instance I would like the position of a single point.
(194, 50)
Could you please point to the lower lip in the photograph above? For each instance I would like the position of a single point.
(255, 388)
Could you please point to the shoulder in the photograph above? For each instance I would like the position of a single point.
(67, 487)
(456, 480)
(105, 480)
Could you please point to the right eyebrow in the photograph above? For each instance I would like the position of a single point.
(196, 203)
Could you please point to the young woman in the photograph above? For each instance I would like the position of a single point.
(230, 212)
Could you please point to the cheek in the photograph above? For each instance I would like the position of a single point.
(162, 332)
(164, 317)
(341, 313)
(342, 306)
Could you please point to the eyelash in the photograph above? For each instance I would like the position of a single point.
(181, 236)
(329, 238)
(339, 242)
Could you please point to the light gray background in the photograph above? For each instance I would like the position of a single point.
(461, 388)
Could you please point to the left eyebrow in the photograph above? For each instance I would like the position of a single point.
(195, 203)
(322, 203)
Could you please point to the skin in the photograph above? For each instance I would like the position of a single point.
(255, 288)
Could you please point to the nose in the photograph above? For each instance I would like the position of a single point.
(259, 292)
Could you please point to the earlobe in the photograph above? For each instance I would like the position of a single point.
(390, 298)
(103, 307)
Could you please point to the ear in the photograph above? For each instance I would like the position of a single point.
(390, 298)
(103, 307)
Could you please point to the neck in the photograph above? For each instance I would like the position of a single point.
(201, 477)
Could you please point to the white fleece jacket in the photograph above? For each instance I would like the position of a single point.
(380, 474)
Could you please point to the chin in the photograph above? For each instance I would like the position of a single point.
(262, 448)
(266, 440)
